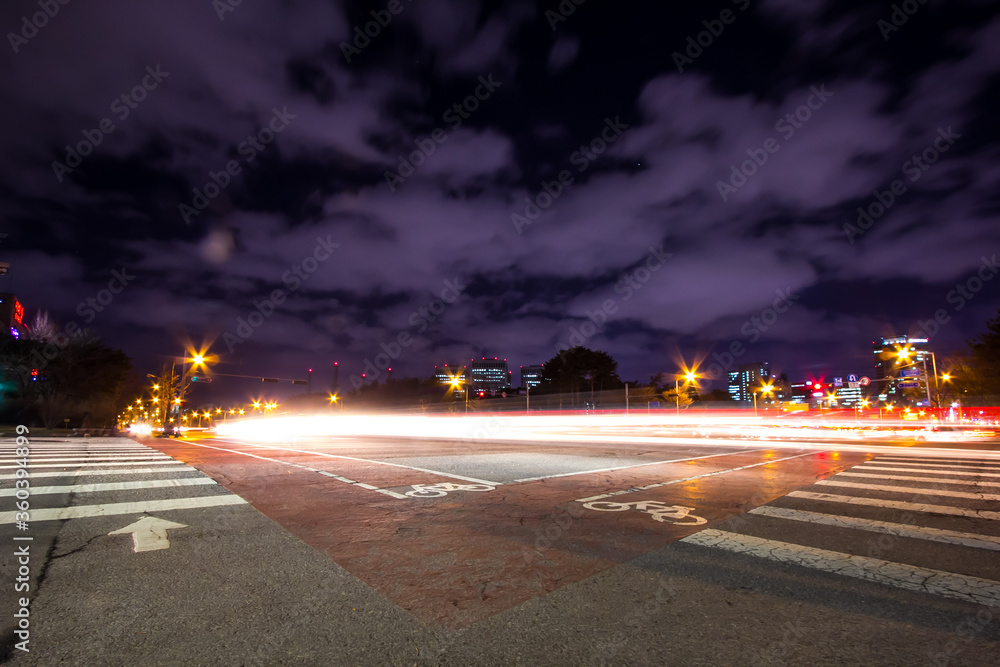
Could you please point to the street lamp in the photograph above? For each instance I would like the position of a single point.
(689, 378)
(765, 389)
(457, 382)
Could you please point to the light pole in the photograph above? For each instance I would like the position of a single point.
(764, 389)
(457, 382)
(689, 377)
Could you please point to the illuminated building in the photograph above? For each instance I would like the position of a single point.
(452, 376)
(531, 376)
(489, 375)
(12, 315)
(748, 378)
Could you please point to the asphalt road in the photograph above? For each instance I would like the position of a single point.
(421, 551)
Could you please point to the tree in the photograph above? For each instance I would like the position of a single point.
(678, 397)
(83, 381)
(579, 369)
(984, 360)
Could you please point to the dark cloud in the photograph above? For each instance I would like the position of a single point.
(474, 160)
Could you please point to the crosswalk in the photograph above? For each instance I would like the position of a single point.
(919, 522)
(70, 479)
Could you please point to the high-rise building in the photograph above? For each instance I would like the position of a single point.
(748, 378)
(531, 376)
(489, 375)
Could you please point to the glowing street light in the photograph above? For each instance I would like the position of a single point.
(765, 390)
(456, 382)
(689, 378)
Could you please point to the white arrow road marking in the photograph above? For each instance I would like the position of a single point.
(149, 533)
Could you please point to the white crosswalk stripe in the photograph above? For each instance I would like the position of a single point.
(958, 526)
(77, 485)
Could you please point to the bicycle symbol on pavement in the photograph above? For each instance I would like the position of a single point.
(675, 514)
(444, 488)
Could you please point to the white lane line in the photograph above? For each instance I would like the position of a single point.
(939, 459)
(302, 467)
(930, 467)
(88, 450)
(911, 490)
(32, 466)
(81, 511)
(89, 473)
(58, 459)
(353, 458)
(911, 478)
(688, 479)
(900, 575)
(113, 486)
(629, 467)
(896, 504)
(899, 529)
(928, 472)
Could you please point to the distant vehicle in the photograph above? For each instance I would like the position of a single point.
(944, 433)
(170, 430)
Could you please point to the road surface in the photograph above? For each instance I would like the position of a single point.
(380, 550)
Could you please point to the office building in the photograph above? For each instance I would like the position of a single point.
(489, 375)
(747, 379)
(450, 375)
(531, 376)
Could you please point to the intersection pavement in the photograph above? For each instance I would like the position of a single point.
(570, 553)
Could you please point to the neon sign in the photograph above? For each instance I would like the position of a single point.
(18, 312)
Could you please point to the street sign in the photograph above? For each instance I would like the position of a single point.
(852, 378)
(854, 385)
(838, 382)
(908, 385)
(910, 372)
(865, 381)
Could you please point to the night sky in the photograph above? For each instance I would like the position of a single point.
(502, 179)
